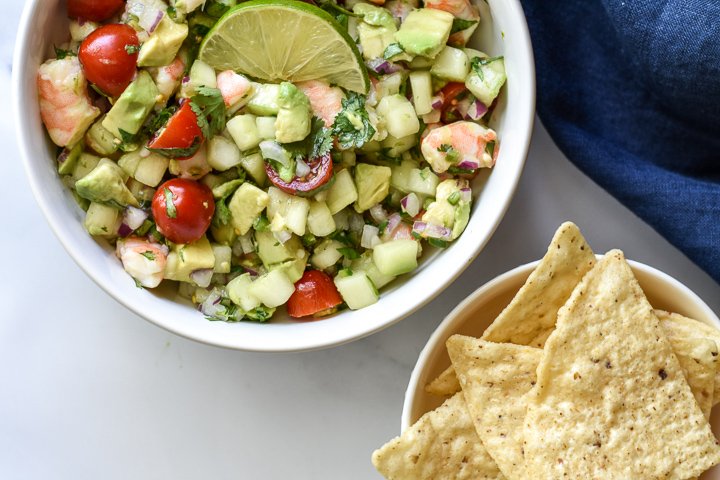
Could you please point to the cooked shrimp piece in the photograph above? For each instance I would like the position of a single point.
(461, 144)
(325, 101)
(168, 78)
(462, 9)
(235, 88)
(143, 260)
(65, 107)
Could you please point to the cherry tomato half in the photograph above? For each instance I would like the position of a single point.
(451, 93)
(321, 171)
(314, 293)
(94, 10)
(109, 57)
(181, 136)
(183, 209)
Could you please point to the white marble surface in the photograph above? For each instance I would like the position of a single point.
(89, 390)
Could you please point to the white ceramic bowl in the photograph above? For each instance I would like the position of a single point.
(474, 314)
(44, 23)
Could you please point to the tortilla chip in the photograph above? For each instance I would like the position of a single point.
(698, 360)
(442, 444)
(531, 314)
(495, 379)
(445, 384)
(676, 325)
(611, 400)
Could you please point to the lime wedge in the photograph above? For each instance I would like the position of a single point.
(277, 40)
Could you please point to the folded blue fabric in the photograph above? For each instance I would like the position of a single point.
(630, 92)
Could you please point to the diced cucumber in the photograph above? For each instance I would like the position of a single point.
(407, 177)
(451, 64)
(396, 257)
(100, 140)
(356, 289)
(101, 220)
(320, 221)
(342, 193)
(349, 158)
(390, 85)
(223, 257)
(420, 63)
(326, 254)
(399, 115)
(85, 164)
(365, 264)
(68, 164)
(265, 99)
(272, 289)
(421, 85)
(222, 154)
(255, 165)
(272, 252)
(238, 289)
(140, 191)
(246, 205)
(397, 146)
(294, 269)
(486, 87)
(145, 167)
(294, 210)
(243, 130)
(201, 75)
(266, 127)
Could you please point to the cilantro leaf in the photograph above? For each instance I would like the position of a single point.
(149, 255)
(201, 119)
(210, 102)
(132, 49)
(318, 143)
(60, 53)
(349, 253)
(352, 125)
(159, 120)
(223, 215)
(178, 152)
(477, 63)
(459, 25)
(260, 314)
(452, 155)
(169, 205)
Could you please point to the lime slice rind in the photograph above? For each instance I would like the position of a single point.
(285, 40)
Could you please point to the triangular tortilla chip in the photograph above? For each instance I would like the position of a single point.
(445, 384)
(495, 378)
(698, 360)
(676, 325)
(611, 400)
(442, 444)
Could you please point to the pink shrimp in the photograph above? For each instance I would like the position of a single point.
(235, 88)
(466, 140)
(65, 107)
(462, 9)
(168, 78)
(143, 260)
(325, 101)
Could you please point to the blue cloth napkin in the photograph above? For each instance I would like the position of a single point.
(630, 92)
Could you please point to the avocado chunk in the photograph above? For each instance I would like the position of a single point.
(106, 184)
(294, 114)
(132, 107)
(265, 100)
(376, 31)
(184, 259)
(373, 185)
(376, 16)
(163, 45)
(246, 205)
(425, 32)
(100, 140)
(448, 209)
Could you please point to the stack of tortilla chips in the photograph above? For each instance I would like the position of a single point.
(578, 378)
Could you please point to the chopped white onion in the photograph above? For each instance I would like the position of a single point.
(355, 222)
(246, 243)
(378, 213)
(432, 117)
(202, 277)
(211, 306)
(429, 230)
(134, 217)
(370, 237)
(282, 236)
(465, 195)
(301, 168)
(410, 204)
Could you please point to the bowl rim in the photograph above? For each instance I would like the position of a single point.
(452, 319)
(158, 315)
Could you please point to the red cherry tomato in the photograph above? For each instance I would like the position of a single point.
(183, 209)
(181, 136)
(314, 293)
(321, 171)
(450, 94)
(94, 10)
(109, 57)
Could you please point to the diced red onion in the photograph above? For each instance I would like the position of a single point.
(134, 217)
(211, 305)
(156, 22)
(301, 168)
(393, 222)
(63, 156)
(186, 80)
(430, 230)
(378, 213)
(369, 237)
(410, 204)
(253, 273)
(437, 101)
(468, 165)
(465, 195)
(282, 236)
(463, 106)
(382, 66)
(432, 117)
(476, 110)
(202, 276)
(124, 230)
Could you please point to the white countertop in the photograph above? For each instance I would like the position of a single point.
(90, 390)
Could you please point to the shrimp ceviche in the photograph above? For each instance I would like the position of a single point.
(253, 191)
